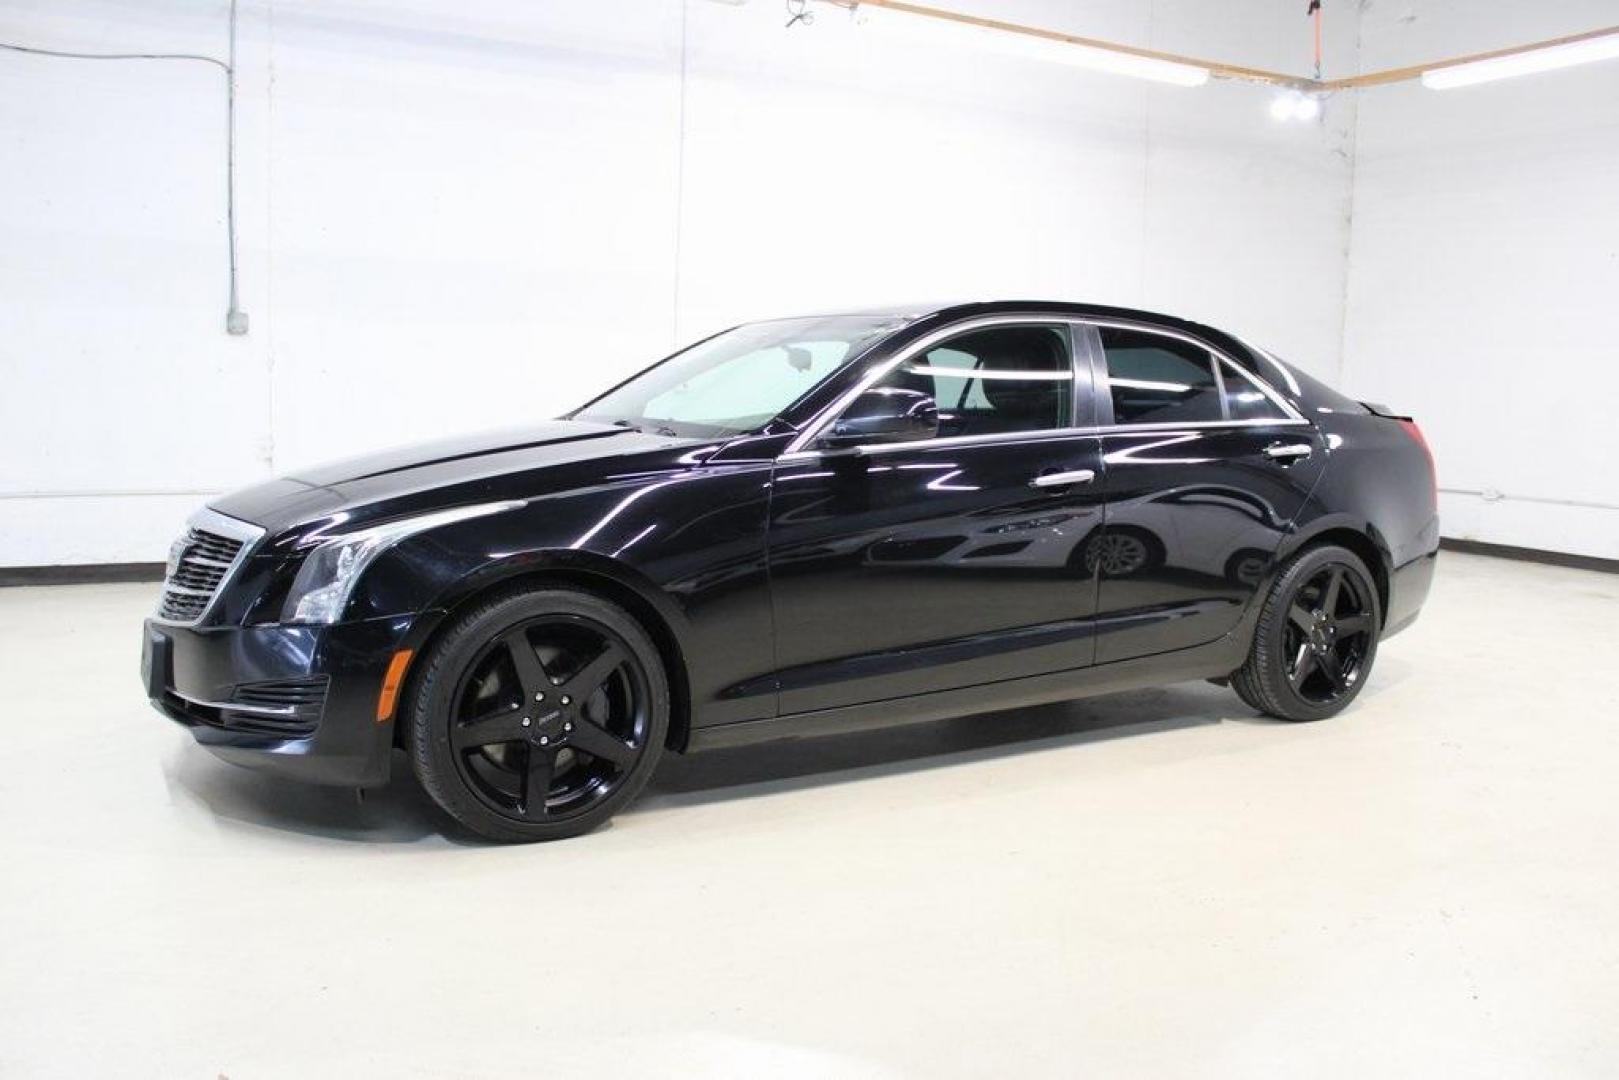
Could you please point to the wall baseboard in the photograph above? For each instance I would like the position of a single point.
(100, 573)
(1550, 558)
(81, 574)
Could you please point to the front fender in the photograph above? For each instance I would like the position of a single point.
(557, 561)
(438, 568)
(686, 549)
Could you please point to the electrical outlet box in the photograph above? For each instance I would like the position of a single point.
(235, 322)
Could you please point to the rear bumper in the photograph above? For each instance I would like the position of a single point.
(1408, 589)
(299, 701)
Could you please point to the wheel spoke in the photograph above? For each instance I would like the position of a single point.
(554, 766)
(1333, 669)
(1303, 664)
(505, 726)
(537, 781)
(599, 742)
(529, 670)
(1299, 616)
(1335, 584)
(589, 678)
(1354, 624)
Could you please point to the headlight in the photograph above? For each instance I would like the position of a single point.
(329, 573)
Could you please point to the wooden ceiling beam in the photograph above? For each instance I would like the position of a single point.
(1218, 69)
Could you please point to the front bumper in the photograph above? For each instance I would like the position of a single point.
(299, 701)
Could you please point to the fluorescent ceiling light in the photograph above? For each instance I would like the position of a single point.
(1031, 47)
(1524, 63)
(1293, 105)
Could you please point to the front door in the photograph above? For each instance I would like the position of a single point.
(947, 562)
(1205, 470)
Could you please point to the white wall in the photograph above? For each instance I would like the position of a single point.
(456, 216)
(1484, 270)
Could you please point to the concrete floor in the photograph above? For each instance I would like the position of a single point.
(1157, 883)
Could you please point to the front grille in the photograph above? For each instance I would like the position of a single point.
(289, 708)
(298, 704)
(917, 550)
(203, 560)
(292, 693)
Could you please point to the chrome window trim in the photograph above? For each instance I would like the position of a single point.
(1220, 357)
(231, 528)
(821, 419)
(798, 450)
(1218, 369)
(1272, 359)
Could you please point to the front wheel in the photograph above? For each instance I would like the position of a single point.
(1316, 638)
(538, 715)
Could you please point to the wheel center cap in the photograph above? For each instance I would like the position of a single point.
(544, 726)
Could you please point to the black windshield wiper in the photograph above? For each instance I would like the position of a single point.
(631, 425)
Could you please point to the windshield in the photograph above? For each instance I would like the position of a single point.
(740, 380)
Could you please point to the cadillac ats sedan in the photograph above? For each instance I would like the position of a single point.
(796, 527)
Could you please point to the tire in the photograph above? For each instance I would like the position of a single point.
(1315, 643)
(543, 748)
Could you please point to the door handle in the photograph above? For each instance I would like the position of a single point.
(1063, 479)
(1288, 451)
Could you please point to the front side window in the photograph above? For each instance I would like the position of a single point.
(740, 380)
(996, 380)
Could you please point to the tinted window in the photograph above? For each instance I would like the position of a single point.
(1159, 380)
(1006, 378)
(1244, 401)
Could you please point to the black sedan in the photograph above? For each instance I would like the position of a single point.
(801, 526)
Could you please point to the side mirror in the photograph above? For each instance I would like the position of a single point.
(882, 415)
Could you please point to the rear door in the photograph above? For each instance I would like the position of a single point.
(1204, 470)
(948, 562)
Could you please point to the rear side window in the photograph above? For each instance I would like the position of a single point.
(1155, 379)
(1245, 401)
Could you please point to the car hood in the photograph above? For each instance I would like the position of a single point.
(515, 463)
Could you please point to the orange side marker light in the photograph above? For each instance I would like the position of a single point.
(390, 685)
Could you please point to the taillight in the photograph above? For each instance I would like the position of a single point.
(1415, 432)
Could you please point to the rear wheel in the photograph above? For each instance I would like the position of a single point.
(538, 715)
(1316, 638)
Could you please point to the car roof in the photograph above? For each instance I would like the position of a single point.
(1297, 385)
(961, 309)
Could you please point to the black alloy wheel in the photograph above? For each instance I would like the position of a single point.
(1316, 638)
(539, 715)
(1329, 628)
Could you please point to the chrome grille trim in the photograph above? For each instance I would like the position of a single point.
(233, 706)
(285, 708)
(206, 557)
